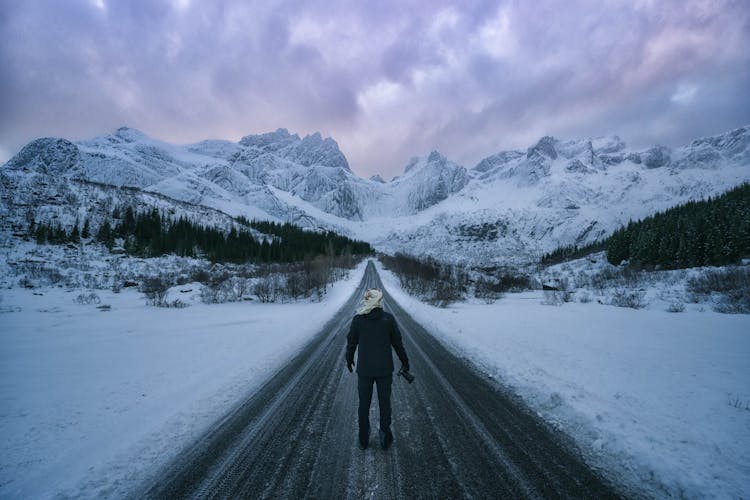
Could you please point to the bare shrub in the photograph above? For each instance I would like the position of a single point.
(155, 288)
(218, 292)
(720, 280)
(734, 302)
(228, 290)
(52, 275)
(565, 289)
(736, 401)
(633, 275)
(436, 283)
(245, 271)
(553, 298)
(87, 299)
(241, 286)
(201, 276)
(486, 290)
(118, 278)
(267, 288)
(581, 279)
(557, 290)
(445, 293)
(732, 285)
(294, 285)
(584, 297)
(25, 282)
(508, 282)
(33, 274)
(606, 278)
(219, 286)
(210, 295)
(633, 299)
(316, 272)
(90, 281)
(676, 307)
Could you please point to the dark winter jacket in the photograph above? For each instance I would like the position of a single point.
(375, 333)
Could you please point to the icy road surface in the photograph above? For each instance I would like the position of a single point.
(456, 436)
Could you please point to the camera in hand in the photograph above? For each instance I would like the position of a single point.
(407, 376)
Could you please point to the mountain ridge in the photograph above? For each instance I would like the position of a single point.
(557, 192)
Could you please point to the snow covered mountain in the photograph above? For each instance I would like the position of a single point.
(510, 208)
(519, 205)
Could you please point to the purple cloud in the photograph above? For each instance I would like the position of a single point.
(387, 80)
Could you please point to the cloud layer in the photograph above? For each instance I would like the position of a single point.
(387, 79)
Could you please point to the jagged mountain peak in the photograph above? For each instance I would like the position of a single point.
(434, 159)
(129, 134)
(545, 147)
(428, 180)
(734, 140)
(733, 145)
(556, 192)
(657, 156)
(312, 150)
(607, 144)
(413, 161)
(270, 141)
(498, 159)
(50, 155)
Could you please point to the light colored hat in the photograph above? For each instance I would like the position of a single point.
(373, 298)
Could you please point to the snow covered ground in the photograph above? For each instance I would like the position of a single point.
(660, 399)
(91, 399)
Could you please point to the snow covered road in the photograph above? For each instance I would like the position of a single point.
(455, 434)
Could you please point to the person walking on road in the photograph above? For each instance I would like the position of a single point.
(374, 332)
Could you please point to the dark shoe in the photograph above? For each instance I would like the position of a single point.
(386, 438)
(364, 440)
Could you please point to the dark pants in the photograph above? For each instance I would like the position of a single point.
(364, 386)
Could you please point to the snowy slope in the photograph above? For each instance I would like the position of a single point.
(659, 400)
(512, 206)
(92, 400)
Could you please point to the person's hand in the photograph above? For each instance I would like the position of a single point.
(349, 365)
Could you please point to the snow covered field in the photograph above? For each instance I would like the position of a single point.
(660, 399)
(91, 399)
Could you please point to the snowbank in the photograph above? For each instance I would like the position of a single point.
(91, 399)
(660, 399)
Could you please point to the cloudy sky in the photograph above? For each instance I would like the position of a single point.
(387, 79)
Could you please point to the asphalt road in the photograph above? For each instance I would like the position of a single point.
(457, 435)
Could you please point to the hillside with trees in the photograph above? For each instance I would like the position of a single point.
(150, 233)
(711, 232)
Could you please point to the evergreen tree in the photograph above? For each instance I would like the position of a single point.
(712, 232)
(104, 234)
(75, 235)
(86, 231)
(149, 233)
(41, 234)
